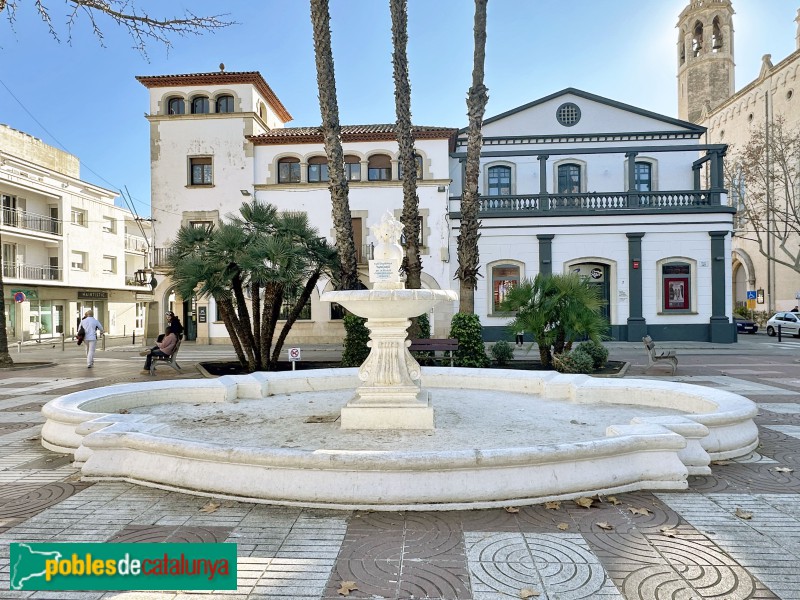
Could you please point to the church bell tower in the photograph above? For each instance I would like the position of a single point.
(705, 57)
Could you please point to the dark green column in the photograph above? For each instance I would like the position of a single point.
(544, 200)
(637, 326)
(633, 197)
(722, 330)
(545, 253)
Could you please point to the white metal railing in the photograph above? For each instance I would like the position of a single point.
(135, 243)
(23, 219)
(35, 272)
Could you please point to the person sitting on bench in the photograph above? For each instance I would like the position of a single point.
(163, 349)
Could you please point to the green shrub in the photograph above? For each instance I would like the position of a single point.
(424, 357)
(742, 311)
(576, 361)
(597, 351)
(466, 328)
(356, 336)
(502, 352)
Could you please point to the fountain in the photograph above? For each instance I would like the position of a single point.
(367, 438)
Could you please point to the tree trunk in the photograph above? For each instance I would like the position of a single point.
(226, 311)
(468, 269)
(292, 317)
(331, 133)
(273, 299)
(412, 264)
(5, 357)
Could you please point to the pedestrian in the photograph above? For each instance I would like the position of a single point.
(91, 327)
(520, 337)
(163, 349)
(175, 324)
(795, 309)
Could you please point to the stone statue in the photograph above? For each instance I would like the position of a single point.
(388, 233)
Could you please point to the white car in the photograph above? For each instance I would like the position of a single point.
(788, 321)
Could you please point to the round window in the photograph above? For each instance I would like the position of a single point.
(568, 114)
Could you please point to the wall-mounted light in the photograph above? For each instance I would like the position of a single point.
(245, 192)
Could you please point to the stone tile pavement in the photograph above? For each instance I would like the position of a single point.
(676, 546)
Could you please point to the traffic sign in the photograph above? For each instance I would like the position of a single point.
(19, 297)
(751, 304)
(751, 294)
(294, 354)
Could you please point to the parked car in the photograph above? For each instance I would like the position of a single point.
(788, 321)
(745, 325)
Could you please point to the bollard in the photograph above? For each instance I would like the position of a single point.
(19, 347)
(133, 341)
(63, 337)
(779, 333)
(104, 341)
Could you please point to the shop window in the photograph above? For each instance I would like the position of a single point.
(504, 277)
(289, 170)
(676, 278)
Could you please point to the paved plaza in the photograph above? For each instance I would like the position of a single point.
(734, 534)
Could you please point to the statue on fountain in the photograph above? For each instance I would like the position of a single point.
(384, 268)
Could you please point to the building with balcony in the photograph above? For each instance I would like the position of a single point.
(66, 247)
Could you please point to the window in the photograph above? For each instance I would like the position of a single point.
(643, 177)
(504, 277)
(697, 39)
(289, 301)
(420, 236)
(568, 114)
(176, 106)
(78, 261)
(200, 224)
(317, 169)
(199, 105)
(200, 171)
(141, 307)
(289, 170)
(109, 264)
(379, 168)
(569, 179)
(225, 104)
(352, 168)
(78, 217)
(677, 279)
(109, 225)
(499, 181)
(418, 159)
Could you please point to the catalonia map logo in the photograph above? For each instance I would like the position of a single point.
(141, 567)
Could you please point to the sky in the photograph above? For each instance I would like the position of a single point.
(81, 96)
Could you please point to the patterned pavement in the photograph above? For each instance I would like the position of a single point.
(735, 534)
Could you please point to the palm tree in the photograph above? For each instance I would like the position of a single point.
(558, 310)
(468, 269)
(331, 133)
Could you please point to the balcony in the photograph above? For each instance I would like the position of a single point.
(161, 256)
(31, 272)
(593, 202)
(135, 243)
(22, 219)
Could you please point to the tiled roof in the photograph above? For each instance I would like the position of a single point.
(219, 78)
(350, 133)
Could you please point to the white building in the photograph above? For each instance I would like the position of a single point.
(65, 246)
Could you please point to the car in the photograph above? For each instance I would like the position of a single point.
(745, 325)
(789, 323)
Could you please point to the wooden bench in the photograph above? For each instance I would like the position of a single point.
(167, 360)
(653, 357)
(430, 345)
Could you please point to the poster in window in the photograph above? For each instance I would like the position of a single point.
(676, 293)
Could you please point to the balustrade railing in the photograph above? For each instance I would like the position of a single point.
(35, 272)
(135, 243)
(23, 219)
(161, 256)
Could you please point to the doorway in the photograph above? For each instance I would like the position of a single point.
(597, 274)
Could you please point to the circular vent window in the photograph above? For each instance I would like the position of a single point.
(568, 114)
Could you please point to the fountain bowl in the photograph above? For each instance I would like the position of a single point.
(382, 304)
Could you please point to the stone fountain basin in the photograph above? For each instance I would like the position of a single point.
(657, 451)
(381, 304)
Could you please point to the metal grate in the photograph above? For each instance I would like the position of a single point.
(568, 114)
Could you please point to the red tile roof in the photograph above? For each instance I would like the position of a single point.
(350, 133)
(219, 78)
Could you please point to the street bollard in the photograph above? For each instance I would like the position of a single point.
(133, 341)
(104, 341)
(63, 337)
(779, 333)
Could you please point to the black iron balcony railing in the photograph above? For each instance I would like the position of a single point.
(23, 219)
(33, 272)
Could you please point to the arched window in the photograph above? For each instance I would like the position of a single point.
(682, 47)
(352, 168)
(225, 104)
(317, 169)
(289, 170)
(499, 181)
(676, 278)
(716, 36)
(569, 178)
(200, 105)
(175, 106)
(504, 277)
(380, 168)
(697, 39)
(643, 177)
(418, 159)
(262, 112)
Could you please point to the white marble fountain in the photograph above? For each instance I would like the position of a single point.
(391, 435)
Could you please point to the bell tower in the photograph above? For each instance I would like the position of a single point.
(705, 57)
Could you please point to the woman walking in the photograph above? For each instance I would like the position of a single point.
(90, 326)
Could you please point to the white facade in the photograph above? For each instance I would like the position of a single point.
(65, 245)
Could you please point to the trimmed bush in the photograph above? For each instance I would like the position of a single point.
(502, 352)
(356, 336)
(466, 328)
(576, 361)
(597, 351)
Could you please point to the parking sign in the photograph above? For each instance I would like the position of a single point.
(751, 294)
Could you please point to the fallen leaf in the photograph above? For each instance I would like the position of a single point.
(526, 593)
(345, 587)
(511, 509)
(669, 531)
(210, 507)
(613, 500)
(640, 511)
(743, 514)
(123, 411)
(783, 470)
(722, 463)
(584, 502)
(605, 526)
(552, 505)
(563, 526)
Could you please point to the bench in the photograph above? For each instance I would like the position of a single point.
(167, 360)
(653, 357)
(430, 345)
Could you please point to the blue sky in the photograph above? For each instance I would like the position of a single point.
(83, 97)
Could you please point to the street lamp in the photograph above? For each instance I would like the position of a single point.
(146, 277)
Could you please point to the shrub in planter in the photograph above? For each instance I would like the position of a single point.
(597, 351)
(466, 328)
(502, 352)
(356, 336)
(576, 361)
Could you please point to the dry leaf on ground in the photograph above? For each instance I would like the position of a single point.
(640, 511)
(743, 514)
(210, 507)
(526, 593)
(613, 500)
(345, 587)
(511, 509)
(783, 470)
(584, 502)
(605, 526)
(552, 505)
(669, 531)
(563, 526)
